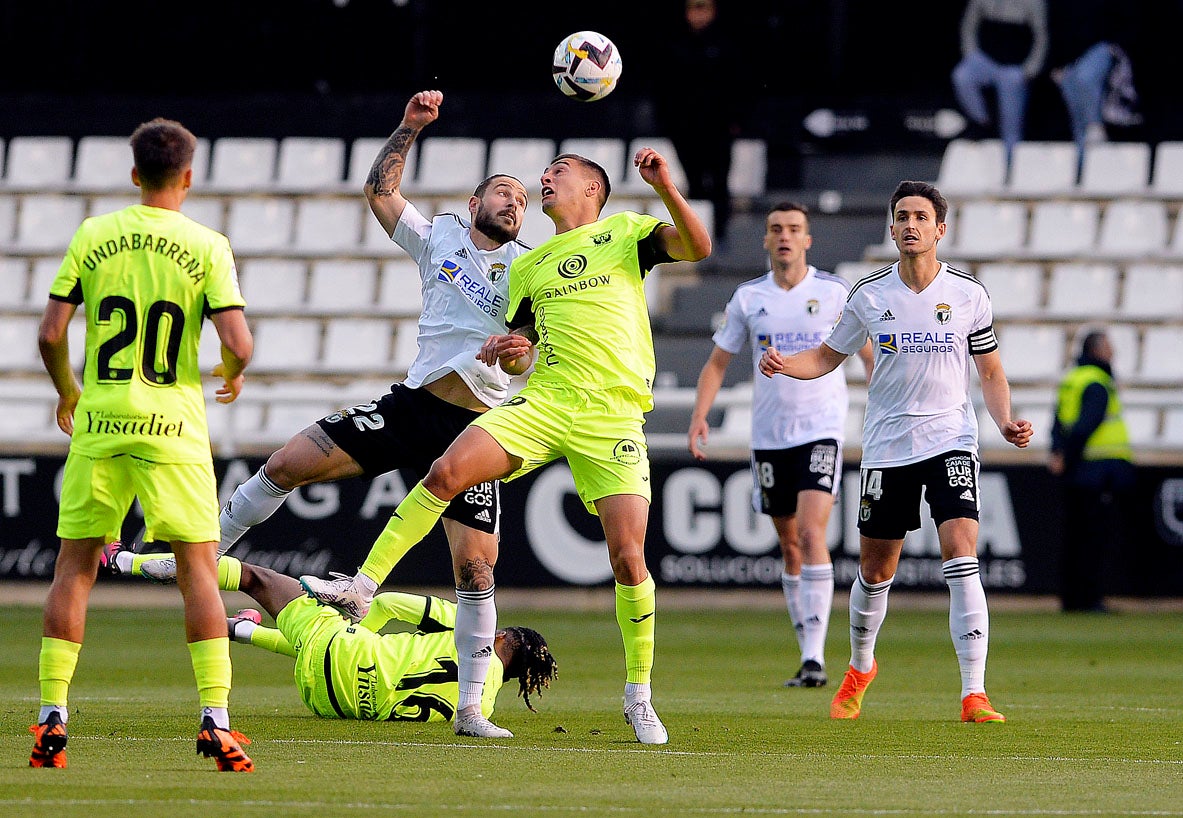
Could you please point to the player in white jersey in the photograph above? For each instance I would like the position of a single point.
(926, 321)
(797, 426)
(464, 268)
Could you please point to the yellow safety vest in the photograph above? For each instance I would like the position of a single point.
(1110, 440)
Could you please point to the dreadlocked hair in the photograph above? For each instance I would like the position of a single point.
(532, 664)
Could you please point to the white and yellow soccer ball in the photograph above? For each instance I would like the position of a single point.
(586, 66)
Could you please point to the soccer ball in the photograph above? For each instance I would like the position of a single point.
(586, 66)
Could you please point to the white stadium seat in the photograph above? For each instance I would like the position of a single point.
(7, 218)
(1176, 248)
(14, 273)
(524, 159)
(342, 286)
(631, 181)
(989, 230)
(1079, 290)
(606, 152)
(374, 241)
(401, 290)
(1152, 291)
(207, 210)
(243, 164)
(103, 163)
(44, 271)
(1042, 169)
(259, 225)
(18, 344)
(406, 346)
(201, 160)
(47, 222)
(273, 285)
(1142, 424)
(1115, 169)
(1168, 170)
(1124, 338)
(286, 345)
(1031, 352)
(363, 152)
(972, 168)
(749, 167)
(450, 165)
(1016, 290)
(1063, 229)
(39, 162)
(109, 203)
(310, 164)
(537, 226)
(1161, 361)
(1133, 228)
(328, 225)
(357, 345)
(1172, 427)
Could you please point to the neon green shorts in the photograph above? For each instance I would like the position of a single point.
(180, 500)
(599, 432)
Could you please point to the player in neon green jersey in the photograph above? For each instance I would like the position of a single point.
(355, 672)
(147, 276)
(577, 301)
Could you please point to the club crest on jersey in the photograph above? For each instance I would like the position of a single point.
(813, 306)
(601, 238)
(887, 343)
(496, 271)
(943, 313)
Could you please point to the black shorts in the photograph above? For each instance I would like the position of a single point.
(889, 499)
(779, 474)
(408, 429)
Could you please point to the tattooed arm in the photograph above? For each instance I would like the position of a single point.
(386, 174)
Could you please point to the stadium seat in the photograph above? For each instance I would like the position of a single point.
(1172, 427)
(363, 152)
(618, 204)
(450, 165)
(1161, 361)
(1167, 180)
(1133, 228)
(524, 159)
(328, 225)
(39, 162)
(260, 225)
(342, 286)
(209, 348)
(243, 164)
(1142, 424)
(374, 241)
(1042, 169)
(1124, 338)
(1152, 291)
(1175, 251)
(1016, 290)
(749, 167)
(273, 286)
(972, 168)
(44, 271)
(232, 424)
(285, 418)
(1040, 413)
(1, 159)
(27, 420)
(286, 345)
(537, 226)
(853, 271)
(109, 203)
(1063, 229)
(631, 181)
(401, 290)
(7, 218)
(47, 222)
(201, 156)
(1115, 169)
(1032, 353)
(310, 164)
(18, 344)
(207, 210)
(607, 153)
(103, 163)
(406, 347)
(1081, 290)
(14, 272)
(989, 230)
(357, 345)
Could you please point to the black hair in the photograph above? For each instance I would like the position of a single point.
(162, 150)
(924, 189)
(597, 171)
(532, 664)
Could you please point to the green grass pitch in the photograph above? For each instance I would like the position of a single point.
(1095, 705)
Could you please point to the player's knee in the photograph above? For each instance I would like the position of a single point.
(283, 468)
(444, 480)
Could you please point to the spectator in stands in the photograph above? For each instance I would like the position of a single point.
(464, 266)
(701, 117)
(1090, 452)
(148, 276)
(920, 438)
(1003, 45)
(797, 426)
(577, 300)
(412, 674)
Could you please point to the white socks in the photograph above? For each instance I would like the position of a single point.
(969, 621)
(791, 585)
(252, 503)
(476, 626)
(817, 596)
(868, 607)
(637, 692)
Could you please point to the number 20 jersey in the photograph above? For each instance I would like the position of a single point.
(147, 276)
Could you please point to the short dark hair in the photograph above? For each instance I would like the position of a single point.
(162, 149)
(905, 189)
(1088, 346)
(488, 182)
(532, 664)
(596, 170)
(789, 207)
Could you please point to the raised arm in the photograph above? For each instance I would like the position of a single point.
(383, 185)
(805, 365)
(996, 392)
(688, 239)
(710, 380)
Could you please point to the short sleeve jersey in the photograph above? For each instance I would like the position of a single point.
(465, 296)
(787, 412)
(147, 275)
(918, 402)
(584, 290)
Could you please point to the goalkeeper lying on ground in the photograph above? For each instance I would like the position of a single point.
(351, 671)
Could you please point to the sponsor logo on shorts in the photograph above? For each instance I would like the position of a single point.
(960, 471)
(484, 516)
(967, 495)
(627, 452)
